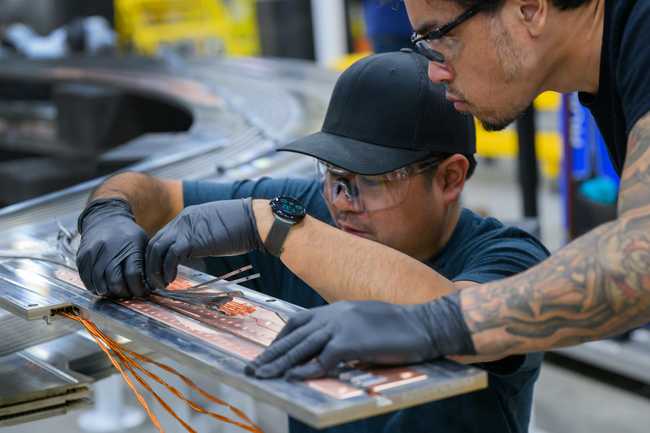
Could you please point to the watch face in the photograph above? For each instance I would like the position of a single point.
(289, 208)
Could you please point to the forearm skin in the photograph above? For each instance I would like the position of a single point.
(595, 287)
(154, 201)
(341, 266)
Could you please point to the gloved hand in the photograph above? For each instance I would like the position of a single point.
(111, 253)
(371, 331)
(220, 228)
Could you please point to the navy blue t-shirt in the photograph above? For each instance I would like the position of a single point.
(624, 85)
(479, 250)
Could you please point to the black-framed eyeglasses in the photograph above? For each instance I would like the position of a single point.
(421, 42)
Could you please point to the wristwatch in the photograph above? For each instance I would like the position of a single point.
(287, 212)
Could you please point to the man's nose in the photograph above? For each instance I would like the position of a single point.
(440, 73)
(343, 201)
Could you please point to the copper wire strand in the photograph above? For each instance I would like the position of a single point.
(91, 327)
(177, 393)
(129, 365)
(126, 356)
(195, 387)
(104, 347)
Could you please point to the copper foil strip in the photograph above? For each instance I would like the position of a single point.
(334, 388)
(261, 326)
(228, 342)
(246, 336)
(388, 378)
(372, 381)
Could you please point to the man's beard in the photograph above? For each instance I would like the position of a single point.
(511, 67)
(499, 124)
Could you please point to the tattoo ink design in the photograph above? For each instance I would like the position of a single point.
(597, 286)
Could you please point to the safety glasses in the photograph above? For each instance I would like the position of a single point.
(370, 193)
(424, 43)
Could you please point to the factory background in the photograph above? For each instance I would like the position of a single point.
(207, 89)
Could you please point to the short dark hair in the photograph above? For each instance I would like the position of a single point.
(492, 5)
(442, 156)
(472, 165)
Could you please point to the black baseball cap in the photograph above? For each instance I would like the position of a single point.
(385, 114)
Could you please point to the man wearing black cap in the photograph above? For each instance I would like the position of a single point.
(393, 159)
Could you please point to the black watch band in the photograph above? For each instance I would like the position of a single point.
(275, 240)
(287, 212)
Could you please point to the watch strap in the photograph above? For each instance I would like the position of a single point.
(277, 234)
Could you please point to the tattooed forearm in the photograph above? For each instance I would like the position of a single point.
(634, 192)
(597, 286)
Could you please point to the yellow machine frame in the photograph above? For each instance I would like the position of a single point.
(209, 26)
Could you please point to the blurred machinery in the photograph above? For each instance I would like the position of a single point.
(44, 16)
(68, 121)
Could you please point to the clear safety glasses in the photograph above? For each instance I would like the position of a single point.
(370, 193)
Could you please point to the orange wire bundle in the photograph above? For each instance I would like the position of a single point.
(124, 359)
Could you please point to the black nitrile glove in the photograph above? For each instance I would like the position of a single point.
(220, 228)
(371, 331)
(110, 258)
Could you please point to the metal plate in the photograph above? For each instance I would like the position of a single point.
(220, 344)
(33, 389)
(48, 411)
(19, 334)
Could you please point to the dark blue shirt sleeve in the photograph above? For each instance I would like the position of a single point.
(502, 257)
(307, 191)
(634, 63)
(509, 252)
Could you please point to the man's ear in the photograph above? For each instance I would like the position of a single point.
(532, 15)
(450, 177)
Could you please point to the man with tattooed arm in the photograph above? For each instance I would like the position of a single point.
(495, 56)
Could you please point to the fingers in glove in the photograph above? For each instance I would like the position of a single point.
(97, 269)
(336, 351)
(134, 275)
(330, 357)
(298, 330)
(115, 280)
(177, 252)
(156, 252)
(298, 354)
(281, 347)
(311, 370)
(295, 321)
(85, 267)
